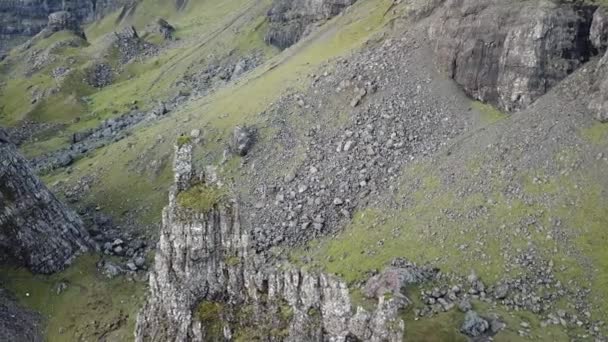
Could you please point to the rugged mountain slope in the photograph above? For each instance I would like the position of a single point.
(205, 260)
(36, 231)
(23, 19)
(366, 158)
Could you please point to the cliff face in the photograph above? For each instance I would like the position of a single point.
(21, 19)
(289, 20)
(510, 53)
(36, 229)
(207, 285)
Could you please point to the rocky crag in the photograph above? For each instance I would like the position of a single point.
(23, 19)
(290, 20)
(510, 53)
(208, 285)
(36, 229)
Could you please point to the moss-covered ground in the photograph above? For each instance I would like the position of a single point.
(91, 308)
(480, 231)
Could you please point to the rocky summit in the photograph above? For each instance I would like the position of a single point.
(314, 170)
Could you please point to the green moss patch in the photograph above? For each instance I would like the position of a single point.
(201, 197)
(489, 113)
(209, 313)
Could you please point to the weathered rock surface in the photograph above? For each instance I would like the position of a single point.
(164, 28)
(17, 323)
(243, 140)
(509, 53)
(36, 229)
(206, 258)
(599, 96)
(290, 20)
(599, 29)
(474, 325)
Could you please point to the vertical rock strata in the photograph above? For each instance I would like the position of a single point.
(290, 20)
(22, 19)
(36, 229)
(204, 268)
(509, 53)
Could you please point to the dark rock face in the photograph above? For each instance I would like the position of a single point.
(289, 19)
(16, 323)
(509, 53)
(22, 19)
(36, 229)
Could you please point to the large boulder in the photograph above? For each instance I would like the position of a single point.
(63, 20)
(474, 325)
(508, 52)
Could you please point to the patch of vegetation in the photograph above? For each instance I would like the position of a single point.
(91, 308)
(489, 113)
(183, 140)
(596, 134)
(232, 260)
(201, 197)
(209, 313)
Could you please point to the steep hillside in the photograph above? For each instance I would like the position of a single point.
(351, 170)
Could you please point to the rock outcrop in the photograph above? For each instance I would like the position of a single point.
(17, 323)
(208, 285)
(290, 20)
(36, 229)
(599, 95)
(22, 19)
(509, 53)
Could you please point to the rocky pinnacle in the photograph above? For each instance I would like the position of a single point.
(204, 257)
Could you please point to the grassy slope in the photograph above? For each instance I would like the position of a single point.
(206, 28)
(436, 222)
(121, 188)
(89, 308)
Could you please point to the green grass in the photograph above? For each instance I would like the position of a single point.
(201, 197)
(209, 314)
(86, 309)
(596, 134)
(489, 113)
(422, 232)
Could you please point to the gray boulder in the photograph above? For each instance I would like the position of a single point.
(474, 325)
(243, 140)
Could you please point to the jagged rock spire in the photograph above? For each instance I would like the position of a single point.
(204, 257)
